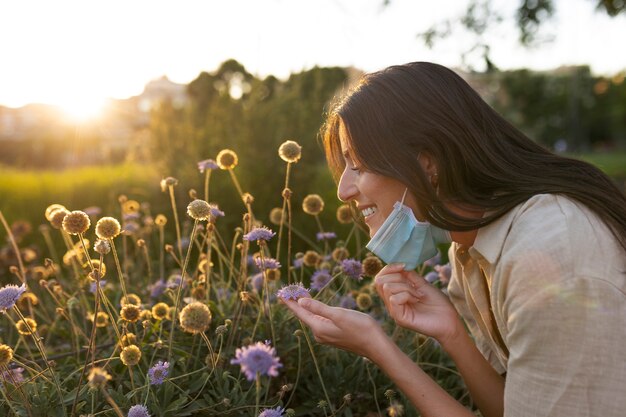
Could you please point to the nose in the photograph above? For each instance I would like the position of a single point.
(347, 188)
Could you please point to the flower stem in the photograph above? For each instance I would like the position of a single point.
(15, 248)
(317, 367)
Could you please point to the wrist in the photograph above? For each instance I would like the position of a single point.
(456, 338)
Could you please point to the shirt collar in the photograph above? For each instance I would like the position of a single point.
(490, 239)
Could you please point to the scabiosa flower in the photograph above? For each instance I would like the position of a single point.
(195, 317)
(101, 319)
(431, 277)
(312, 204)
(257, 358)
(290, 151)
(256, 281)
(276, 215)
(372, 266)
(130, 206)
(160, 310)
(157, 288)
(293, 292)
(347, 301)
(352, 268)
(227, 159)
(215, 212)
(101, 246)
(130, 299)
(445, 272)
(199, 210)
(12, 376)
(6, 355)
(325, 236)
(160, 220)
(311, 258)
(76, 222)
(51, 209)
(9, 295)
(272, 412)
(138, 411)
(130, 313)
(130, 355)
(127, 340)
(266, 263)
(26, 326)
(319, 279)
(259, 233)
(57, 216)
(207, 164)
(435, 260)
(363, 301)
(395, 409)
(98, 377)
(340, 253)
(158, 372)
(344, 214)
(93, 287)
(168, 182)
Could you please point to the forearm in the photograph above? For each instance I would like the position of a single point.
(425, 394)
(485, 385)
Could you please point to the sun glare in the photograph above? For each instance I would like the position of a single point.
(82, 109)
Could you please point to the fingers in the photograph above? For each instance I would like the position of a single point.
(317, 308)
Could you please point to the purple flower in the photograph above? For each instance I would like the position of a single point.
(174, 281)
(9, 295)
(293, 292)
(431, 277)
(298, 262)
(259, 233)
(157, 288)
(433, 261)
(257, 358)
(266, 263)
(352, 268)
(12, 376)
(347, 301)
(445, 272)
(138, 411)
(92, 285)
(256, 281)
(206, 165)
(272, 412)
(326, 235)
(320, 279)
(158, 372)
(215, 211)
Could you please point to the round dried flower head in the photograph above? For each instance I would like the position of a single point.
(259, 358)
(227, 159)
(130, 299)
(97, 266)
(195, 317)
(128, 339)
(363, 301)
(131, 206)
(290, 151)
(199, 210)
(26, 326)
(311, 258)
(340, 253)
(9, 294)
(276, 215)
(312, 204)
(145, 315)
(101, 319)
(108, 228)
(272, 274)
(130, 313)
(76, 222)
(160, 310)
(6, 355)
(27, 299)
(344, 214)
(395, 409)
(198, 293)
(98, 377)
(57, 216)
(168, 182)
(293, 292)
(138, 410)
(247, 198)
(372, 266)
(101, 246)
(51, 208)
(160, 220)
(130, 355)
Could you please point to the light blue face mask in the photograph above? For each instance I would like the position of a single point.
(403, 239)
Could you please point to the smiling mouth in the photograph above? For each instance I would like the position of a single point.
(368, 211)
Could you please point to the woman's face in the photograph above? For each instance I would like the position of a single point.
(374, 194)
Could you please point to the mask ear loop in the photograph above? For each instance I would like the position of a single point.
(404, 195)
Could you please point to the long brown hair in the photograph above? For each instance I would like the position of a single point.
(483, 161)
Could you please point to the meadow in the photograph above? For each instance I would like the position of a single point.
(136, 295)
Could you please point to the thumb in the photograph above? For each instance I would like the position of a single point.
(316, 307)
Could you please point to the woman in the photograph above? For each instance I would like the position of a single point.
(538, 250)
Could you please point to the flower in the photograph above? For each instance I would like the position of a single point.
(215, 211)
(6, 355)
(347, 301)
(98, 377)
(127, 340)
(160, 220)
(319, 279)
(352, 268)
(206, 165)
(312, 204)
(372, 266)
(138, 411)
(276, 215)
(9, 295)
(256, 281)
(108, 228)
(444, 272)
(57, 216)
(26, 326)
(195, 318)
(290, 151)
(227, 159)
(435, 260)
(13, 376)
(266, 263)
(272, 412)
(395, 409)
(101, 246)
(130, 299)
(258, 358)
(340, 253)
(158, 372)
(344, 214)
(157, 288)
(51, 209)
(76, 222)
(199, 210)
(311, 258)
(325, 235)
(101, 319)
(293, 292)
(130, 206)
(168, 182)
(431, 277)
(160, 310)
(93, 287)
(363, 301)
(130, 355)
(259, 233)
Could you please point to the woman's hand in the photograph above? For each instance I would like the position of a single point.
(415, 304)
(346, 329)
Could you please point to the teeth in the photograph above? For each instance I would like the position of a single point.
(368, 211)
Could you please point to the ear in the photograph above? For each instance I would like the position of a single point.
(429, 165)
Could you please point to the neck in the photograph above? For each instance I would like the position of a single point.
(464, 238)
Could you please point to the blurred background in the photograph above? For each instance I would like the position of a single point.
(100, 99)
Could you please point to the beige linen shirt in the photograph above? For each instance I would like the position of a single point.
(543, 292)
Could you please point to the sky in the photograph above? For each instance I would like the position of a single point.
(77, 53)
